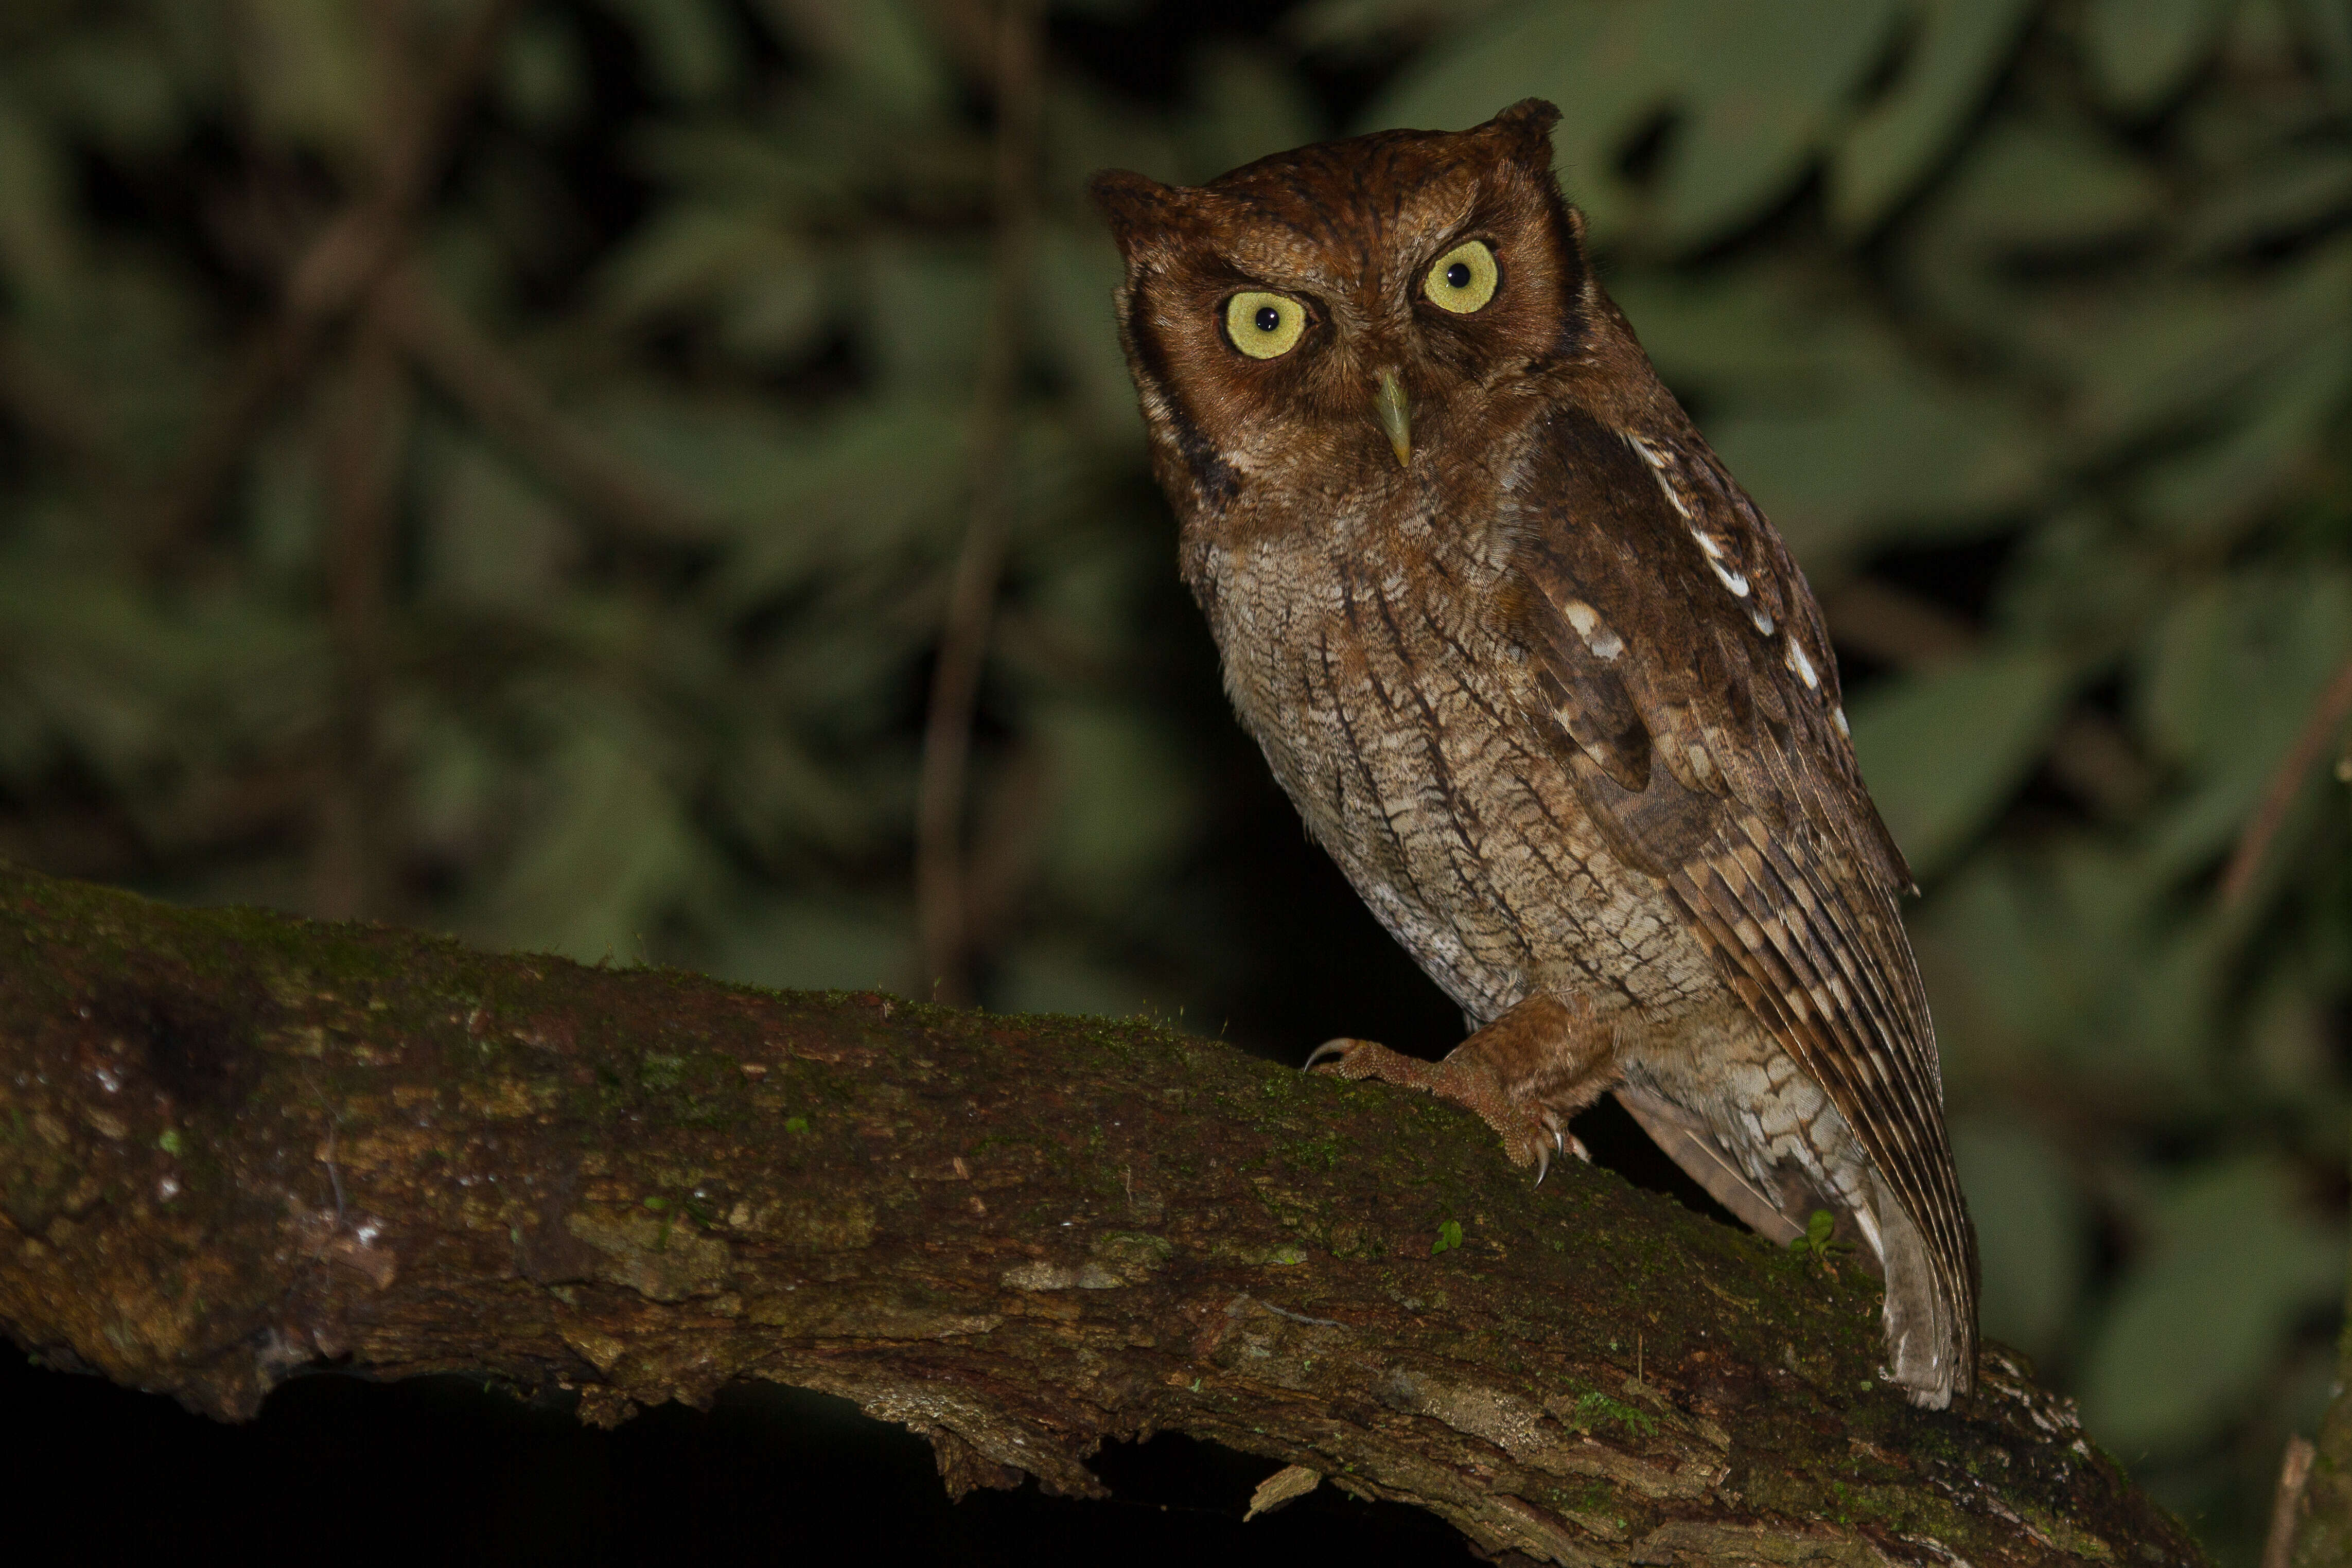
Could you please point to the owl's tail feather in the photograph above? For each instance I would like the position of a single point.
(1930, 1342)
(1690, 1144)
(1926, 1338)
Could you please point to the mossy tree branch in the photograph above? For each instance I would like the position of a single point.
(234, 1143)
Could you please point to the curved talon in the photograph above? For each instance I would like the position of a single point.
(1338, 1047)
(1543, 1164)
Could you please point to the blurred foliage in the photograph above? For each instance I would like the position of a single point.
(565, 571)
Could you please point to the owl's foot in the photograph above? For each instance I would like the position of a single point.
(1523, 1074)
(1531, 1133)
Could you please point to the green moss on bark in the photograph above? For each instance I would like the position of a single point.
(238, 1144)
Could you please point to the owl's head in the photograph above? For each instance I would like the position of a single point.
(1355, 307)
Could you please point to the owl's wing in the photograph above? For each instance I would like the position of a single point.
(1691, 690)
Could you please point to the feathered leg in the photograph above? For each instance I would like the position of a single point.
(1526, 1074)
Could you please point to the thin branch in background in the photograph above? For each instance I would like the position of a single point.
(53, 406)
(2091, 754)
(485, 381)
(364, 449)
(338, 269)
(2319, 731)
(1009, 831)
(2286, 1504)
(46, 401)
(941, 896)
(365, 441)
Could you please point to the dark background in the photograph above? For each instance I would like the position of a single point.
(598, 614)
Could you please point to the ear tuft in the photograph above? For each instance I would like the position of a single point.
(1527, 124)
(1133, 204)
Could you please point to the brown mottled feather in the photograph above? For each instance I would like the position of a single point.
(1776, 853)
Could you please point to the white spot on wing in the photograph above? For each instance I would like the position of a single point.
(1806, 673)
(1598, 636)
(1735, 581)
(1763, 620)
(1838, 718)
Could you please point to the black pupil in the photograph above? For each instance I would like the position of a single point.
(1268, 318)
(1459, 275)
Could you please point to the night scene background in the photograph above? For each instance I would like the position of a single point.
(575, 581)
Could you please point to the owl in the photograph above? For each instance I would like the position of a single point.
(1544, 682)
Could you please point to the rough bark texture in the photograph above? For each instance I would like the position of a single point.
(2316, 1531)
(233, 1143)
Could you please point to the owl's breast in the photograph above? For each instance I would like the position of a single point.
(1363, 655)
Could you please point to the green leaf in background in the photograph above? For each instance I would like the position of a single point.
(37, 238)
(2044, 378)
(1903, 454)
(2176, 356)
(494, 540)
(868, 482)
(687, 45)
(1078, 271)
(1951, 66)
(1757, 338)
(1248, 103)
(118, 88)
(836, 943)
(878, 51)
(2272, 199)
(2043, 184)
(2229, 675)
(2204, 495)
(923, 306)
(1761, 88)
(1942, 750)
(608, 854)
(2031, 1228)
(304, 70)
(690, 255)
(1124, 804)
(1606, 66)
(2139, 50)
(542, 74)
(2188, 1334)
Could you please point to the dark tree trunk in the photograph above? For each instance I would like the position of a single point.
(233, 1145)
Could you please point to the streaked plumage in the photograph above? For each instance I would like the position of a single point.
(1544, 682)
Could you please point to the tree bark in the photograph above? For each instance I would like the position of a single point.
(233, 1145)
(2312, 1524)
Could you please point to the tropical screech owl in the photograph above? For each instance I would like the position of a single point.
(1544, 683)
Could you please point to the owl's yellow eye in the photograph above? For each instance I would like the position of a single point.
(1264, 326)
(1462, 279)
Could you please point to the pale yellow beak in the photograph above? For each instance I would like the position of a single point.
(1396, 416)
